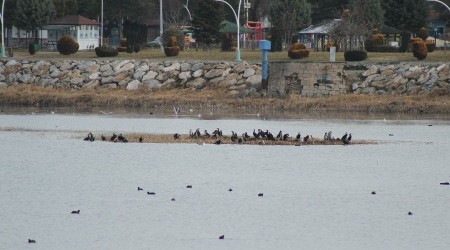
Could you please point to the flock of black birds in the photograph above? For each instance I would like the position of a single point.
(114, 138)
(263, 135)
(235, 138)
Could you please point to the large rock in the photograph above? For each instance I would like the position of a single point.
(197, 83)
(185, 75)
(198, 73)
(92, 84)
(197, 66)
(372, 70)
(125, 68)
(185, 67)
(153, 84)
(150, 75)
(213, 73)
(134, 85)
(254, 81)
(249, 72)
(173, 67)
(3, 85)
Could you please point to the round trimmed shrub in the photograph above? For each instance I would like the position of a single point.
(419, 49)
(355, 55)
(171, 49)
(67, 46)
(106, 51)
(169, 42)
(423, 33)
(298, 51)
(430, 46)
(373, 41)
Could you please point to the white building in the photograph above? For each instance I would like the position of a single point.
(83, 30)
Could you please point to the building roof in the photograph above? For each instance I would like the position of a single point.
(327, 27)
(229, 27)
(323, 28)
(73, 20)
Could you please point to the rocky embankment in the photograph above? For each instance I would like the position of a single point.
(240, 79)
(401, 79)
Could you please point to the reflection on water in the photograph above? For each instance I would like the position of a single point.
(315, 197)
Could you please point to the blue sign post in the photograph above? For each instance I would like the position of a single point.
(264, 46)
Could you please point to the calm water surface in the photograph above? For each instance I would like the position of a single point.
(315, 197)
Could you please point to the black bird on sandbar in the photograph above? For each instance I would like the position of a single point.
(176, 136)
(140, 139)
(344, 137)
(113, 137)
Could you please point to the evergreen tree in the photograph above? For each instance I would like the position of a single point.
(89, 8)
(407, 15)
(32, 15)
(206, 21)
(289, 16)
(327, 9)
(65, 7)
(367, 14)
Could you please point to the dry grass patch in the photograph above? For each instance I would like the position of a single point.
(215, 99)
(246, 55)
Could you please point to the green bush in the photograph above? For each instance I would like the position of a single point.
(167, 38)
(106, 51)
(31, 49)
(171, 51)
(298, 51)
(373, 41)
(419, 49)
(355, 55)
(67, 46)
(422, 33)
(226, 44)
(387, 49)
(430, 46)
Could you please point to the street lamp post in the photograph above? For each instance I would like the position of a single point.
(435, 36)
(161, 25)
(238, 51)
(101, 26)
(3, 28)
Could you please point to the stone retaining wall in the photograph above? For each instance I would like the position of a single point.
(239, 79)
(400, 79)
(236, 79)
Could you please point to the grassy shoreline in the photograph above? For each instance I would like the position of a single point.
(214, 99)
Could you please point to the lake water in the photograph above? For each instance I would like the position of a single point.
(315, 197)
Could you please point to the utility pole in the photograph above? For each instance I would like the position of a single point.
(3, 29)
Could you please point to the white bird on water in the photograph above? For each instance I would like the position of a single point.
(176, 110)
